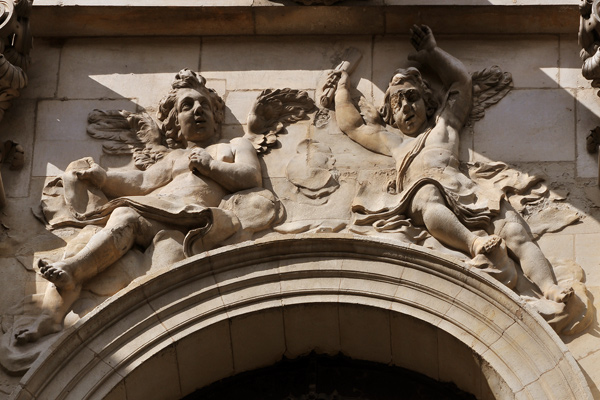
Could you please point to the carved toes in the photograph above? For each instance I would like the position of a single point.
(56, 275)
(25, 336)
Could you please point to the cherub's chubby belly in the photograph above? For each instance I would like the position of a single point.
(189, 188)
(438, 163)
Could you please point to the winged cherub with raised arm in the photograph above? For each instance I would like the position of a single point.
(423, 138)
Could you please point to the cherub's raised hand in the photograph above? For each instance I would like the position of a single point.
(422, 38)
(336, 78)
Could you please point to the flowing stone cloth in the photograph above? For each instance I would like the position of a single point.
(474, 195)
(69, 201)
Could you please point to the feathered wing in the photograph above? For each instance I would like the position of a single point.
(272, 111)
(489, 87)
(125, 132)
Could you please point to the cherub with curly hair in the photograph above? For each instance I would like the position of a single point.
(181, 191)
(423, 138)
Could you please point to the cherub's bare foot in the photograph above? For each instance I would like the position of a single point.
(498, 264)
(57, 273)
(559, 293)
(485, 244)
(42, 326)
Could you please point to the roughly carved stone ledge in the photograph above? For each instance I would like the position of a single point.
(232, 304)
(55, 18)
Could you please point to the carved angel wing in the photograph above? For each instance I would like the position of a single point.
(125, 132)
(271, 111)
(489, 87)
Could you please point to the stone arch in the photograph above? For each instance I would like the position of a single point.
(244, 307)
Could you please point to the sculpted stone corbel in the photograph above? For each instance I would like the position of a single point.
(188, 193)
(437, 199)
(15, 45)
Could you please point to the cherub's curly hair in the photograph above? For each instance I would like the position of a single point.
(412, 75)
(167, 110)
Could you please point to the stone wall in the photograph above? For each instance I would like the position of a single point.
(541, 124)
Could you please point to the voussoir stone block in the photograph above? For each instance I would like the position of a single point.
(311, 327)
(365, 334)
(204, 357)
(157, 377)
(414, 345)
(258, 340)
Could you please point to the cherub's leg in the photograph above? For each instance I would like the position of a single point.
(124, 227)
(534, 264)
(55, 306)
(429, 208)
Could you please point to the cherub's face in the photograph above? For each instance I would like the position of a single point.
(408, 107)
(195, 116)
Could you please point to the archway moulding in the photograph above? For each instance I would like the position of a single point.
(243, 307)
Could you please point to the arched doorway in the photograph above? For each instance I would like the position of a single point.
(245, 307)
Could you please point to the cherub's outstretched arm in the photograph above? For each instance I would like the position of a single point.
(131, 182)
(371, 136)
(451, 71)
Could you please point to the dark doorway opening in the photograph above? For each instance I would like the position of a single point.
(320, 377)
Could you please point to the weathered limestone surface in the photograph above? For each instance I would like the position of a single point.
(540, 124)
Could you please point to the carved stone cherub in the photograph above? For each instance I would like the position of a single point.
(423, 136)
(184, 174)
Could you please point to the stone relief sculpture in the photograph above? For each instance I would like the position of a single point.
(463, 208)
(189, 193)
(312, 170)
(15, 45)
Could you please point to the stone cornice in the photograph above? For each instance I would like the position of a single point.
(79, 18)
